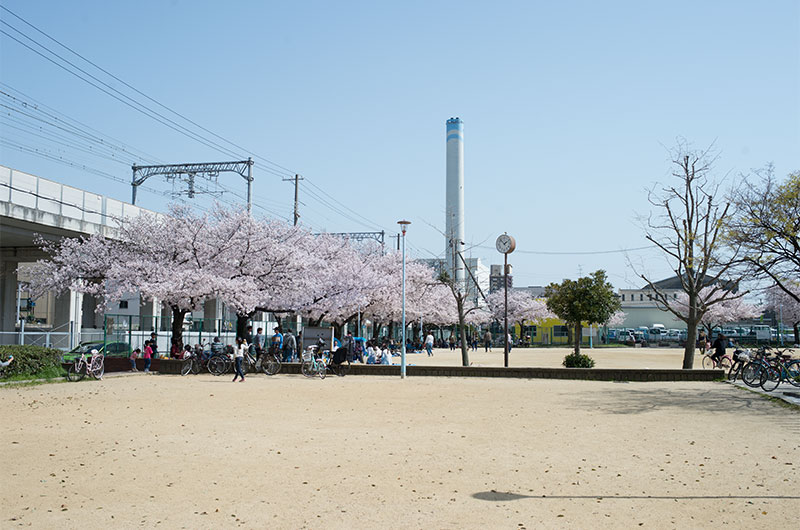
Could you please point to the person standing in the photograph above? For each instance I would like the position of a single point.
(487, 341)
(289, 347)
(147, 355)
(241, 348)
(701, 342)
(134, 355)
(429, 344)
(452, 341)
(154, 345)
(258, 340)
(276, 343)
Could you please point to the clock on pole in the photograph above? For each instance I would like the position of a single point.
(505, 244)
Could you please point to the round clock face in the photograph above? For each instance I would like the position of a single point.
(505, 244)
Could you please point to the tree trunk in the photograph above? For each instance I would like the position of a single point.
(796, 334)
(241, 325)
(337, 330)
(178, 316)
(464, 349)
(391, 330)
(578, 329)
(691, 339)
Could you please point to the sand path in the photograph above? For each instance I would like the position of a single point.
(378, 452)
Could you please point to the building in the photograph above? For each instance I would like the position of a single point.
(477, 269)
(496, 278)
(642, 309)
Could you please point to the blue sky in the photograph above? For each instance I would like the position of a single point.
(568, 107)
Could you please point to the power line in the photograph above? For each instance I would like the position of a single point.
(575, 253)
(138, 91)
(149, 112)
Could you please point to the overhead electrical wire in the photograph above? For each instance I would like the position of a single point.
(149, 112)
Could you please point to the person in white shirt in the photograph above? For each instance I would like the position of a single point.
(429, 344)
(386, 356)
(371, 355)
(241, 348)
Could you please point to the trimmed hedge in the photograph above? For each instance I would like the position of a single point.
(31, 361)
(578, 360)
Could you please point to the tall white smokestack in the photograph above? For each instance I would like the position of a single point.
(454, 223)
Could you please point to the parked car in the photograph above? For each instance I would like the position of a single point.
(111, 349)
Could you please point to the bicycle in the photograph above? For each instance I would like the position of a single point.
(709, 363)
(313, 364)
(769, 370)
(269, 363)
(80, 367)
(193, 364)
(337, 363)
(219, 363)
(740, 358)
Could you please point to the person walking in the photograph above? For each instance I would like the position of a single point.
(147, 355)
(487, 341)
(241, 348)
(429, 344)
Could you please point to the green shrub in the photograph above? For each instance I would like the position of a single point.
(578, 360)
(31, 361)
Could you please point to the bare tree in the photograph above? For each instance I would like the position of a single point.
(687, 227)
(767, 227)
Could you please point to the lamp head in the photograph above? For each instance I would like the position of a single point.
(403, 225)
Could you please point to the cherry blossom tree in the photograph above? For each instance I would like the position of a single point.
(616, 320)
(522, 307)
(80, 264)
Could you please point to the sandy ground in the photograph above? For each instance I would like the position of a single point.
(671, 358)
(157, 451)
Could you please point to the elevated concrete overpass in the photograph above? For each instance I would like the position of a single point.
(31, 207)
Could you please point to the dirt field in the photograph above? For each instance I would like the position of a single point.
(551, 357)
(374, 452)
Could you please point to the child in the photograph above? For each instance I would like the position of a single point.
(134, 355)
(148, 354)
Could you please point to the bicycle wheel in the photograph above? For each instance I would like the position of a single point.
(217, 365)
(270, 364)
(307, 369)
(195, 366)
(734, 370)
(793, 372)
(751, 374)
(708, 362)
(186, 367)
(73, 374)
(725, 363)
(322, 370)
(770, 377)
(98, 368)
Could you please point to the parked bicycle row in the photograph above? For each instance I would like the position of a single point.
(764, 367)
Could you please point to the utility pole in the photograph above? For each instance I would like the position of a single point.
(296, 179)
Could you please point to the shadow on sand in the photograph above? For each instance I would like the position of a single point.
(500, 496)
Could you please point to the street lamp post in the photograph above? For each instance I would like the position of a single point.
(403, 225)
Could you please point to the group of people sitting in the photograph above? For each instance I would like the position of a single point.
(377, 354)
